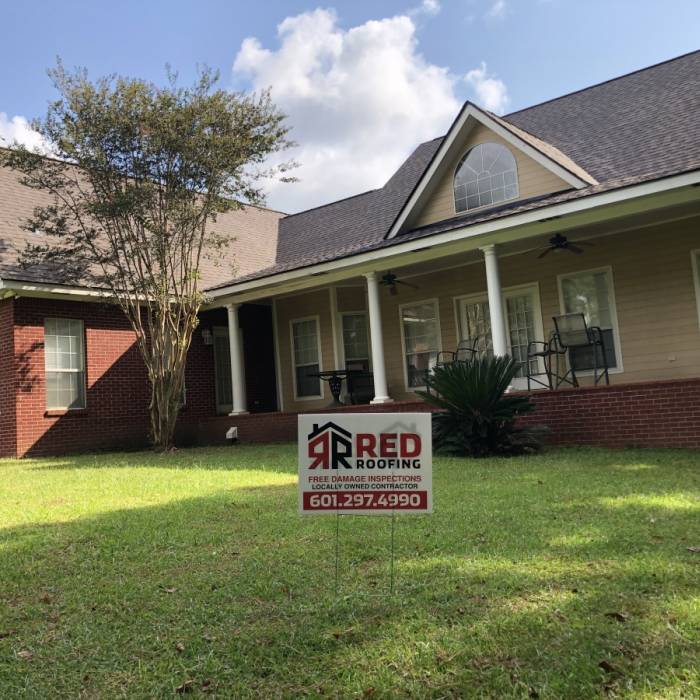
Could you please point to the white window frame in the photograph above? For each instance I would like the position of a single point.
(483, 206)
(83, 348)
(321, 383)
(436, 302)
(613, 313)
(533, 287)
(695, 263)
(343, 357)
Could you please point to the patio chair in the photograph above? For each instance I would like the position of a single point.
(547, 355)
(579, 340)
(466, 351)
(360, 386)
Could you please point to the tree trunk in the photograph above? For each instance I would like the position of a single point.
(164, 409)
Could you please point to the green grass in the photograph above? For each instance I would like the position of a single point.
(125, 575)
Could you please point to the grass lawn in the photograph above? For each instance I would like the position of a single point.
(566, 575)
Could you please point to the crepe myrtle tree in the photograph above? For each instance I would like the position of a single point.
(136, 176)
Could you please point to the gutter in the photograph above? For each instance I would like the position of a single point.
(676, 189)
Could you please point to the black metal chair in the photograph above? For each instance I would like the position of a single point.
(465, 352)
(547, 357)
(360, 386)
(579, 340)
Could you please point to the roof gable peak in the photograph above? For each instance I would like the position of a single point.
(469, 116)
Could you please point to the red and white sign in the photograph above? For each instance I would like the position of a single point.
(369, 463)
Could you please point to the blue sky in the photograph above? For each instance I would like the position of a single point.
(363, 82)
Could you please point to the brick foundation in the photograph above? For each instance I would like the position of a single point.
(282, 427)
(653, 414)
(649, 414)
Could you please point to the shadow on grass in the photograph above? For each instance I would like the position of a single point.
(509, 590)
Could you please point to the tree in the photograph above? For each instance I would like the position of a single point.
(137, 175)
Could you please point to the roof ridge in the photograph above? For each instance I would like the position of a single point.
(602, 82)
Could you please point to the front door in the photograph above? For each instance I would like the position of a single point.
(523, 324)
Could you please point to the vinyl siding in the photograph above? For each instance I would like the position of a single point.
(653, 286)
(533, 179)
(294, 307)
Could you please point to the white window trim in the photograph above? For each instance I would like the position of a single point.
(321, 383)
(343, 358)
(613, 313)
(695, 263)
(84, 370)
(483, 206)
(436, 302)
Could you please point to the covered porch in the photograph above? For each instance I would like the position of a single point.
(637, 279)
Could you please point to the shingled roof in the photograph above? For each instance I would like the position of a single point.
(251, 230)
(638, 127)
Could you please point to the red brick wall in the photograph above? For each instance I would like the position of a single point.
(649, 414)
(282, 427)
(8, 434)
(116, 416)
(653, 414)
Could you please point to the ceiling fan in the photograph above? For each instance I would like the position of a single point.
(390, 280)
(559, 242)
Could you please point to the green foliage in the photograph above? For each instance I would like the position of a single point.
(136, 178)
(478, 418)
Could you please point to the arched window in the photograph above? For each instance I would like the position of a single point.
(486, 175)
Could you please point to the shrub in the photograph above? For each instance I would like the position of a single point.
(478, 417)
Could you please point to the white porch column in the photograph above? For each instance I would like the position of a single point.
(237, 370)
(381, 392)
(493, 285)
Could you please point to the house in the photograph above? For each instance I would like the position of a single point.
(457, 233)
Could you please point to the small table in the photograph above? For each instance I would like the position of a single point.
(335, 378)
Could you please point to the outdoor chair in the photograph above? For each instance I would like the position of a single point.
(360, 386)
(581, 342)
(466, 351)
(548, 355)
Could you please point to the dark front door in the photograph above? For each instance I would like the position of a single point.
(259, 357)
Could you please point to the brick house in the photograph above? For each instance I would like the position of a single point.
(448, 250)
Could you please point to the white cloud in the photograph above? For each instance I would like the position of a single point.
(427, 7)
(359, 100)
(497, 10)
(18, 129)
(491, 93)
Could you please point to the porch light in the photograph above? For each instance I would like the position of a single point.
(207, 337)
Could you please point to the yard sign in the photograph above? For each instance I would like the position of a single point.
(365, 463)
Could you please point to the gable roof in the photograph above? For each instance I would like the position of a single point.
(470, 115)
(252, 230)
(635, 128)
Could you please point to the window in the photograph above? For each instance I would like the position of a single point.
(421, 339)
(356, 341)
(306, 354)
(695, 259)
(486, 175)
(591, 293)
(64, 361)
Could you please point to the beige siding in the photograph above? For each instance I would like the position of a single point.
(533, 179)
(653, 286)
(296, 307)
(351, 299)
